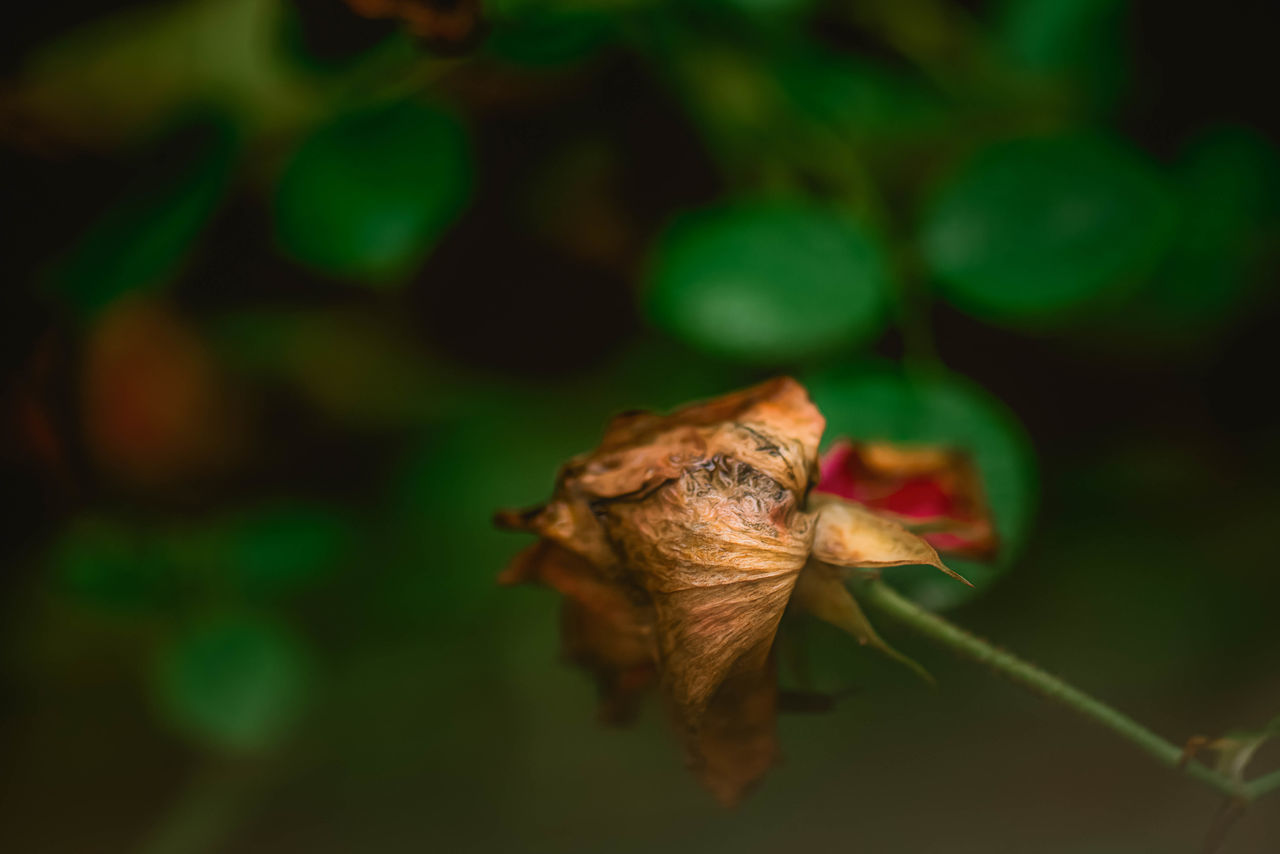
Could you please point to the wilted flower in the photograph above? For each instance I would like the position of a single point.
(679, 542)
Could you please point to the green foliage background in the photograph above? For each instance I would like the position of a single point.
(374, 288)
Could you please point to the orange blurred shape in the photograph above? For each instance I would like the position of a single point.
(441, 23)
(156, 408)
(31, 422)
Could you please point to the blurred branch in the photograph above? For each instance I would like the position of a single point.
(205, 815)
(883, 597)
(914, 317)
(1264, 784)
(938, 36)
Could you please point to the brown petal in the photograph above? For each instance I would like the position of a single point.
(705, 634)
(570, 524)
(737, 742)
(773, 426)
(780, 405)
(616, 648)
(893, 460)
(604, 628)
(848, 534)
(718, 551)
(821, 591)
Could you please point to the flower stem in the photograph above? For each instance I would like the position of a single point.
(882, 596)
(204, 816)
(1264, 784)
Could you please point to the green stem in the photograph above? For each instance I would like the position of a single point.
(203, 817)
(883, 597)
(1264, 784)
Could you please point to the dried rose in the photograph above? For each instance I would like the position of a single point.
(679, 542)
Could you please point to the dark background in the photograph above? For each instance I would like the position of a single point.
(298, 298)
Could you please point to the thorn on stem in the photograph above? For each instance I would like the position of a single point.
(1189, 750)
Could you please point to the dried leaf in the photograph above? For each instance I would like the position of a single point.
(850, 535)
(1235, 750)
(821, 591)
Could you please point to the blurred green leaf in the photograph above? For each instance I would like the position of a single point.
(856, 95)
(233, 681)
(1035, 227)
(538, 34)
(257, 553)
(283, 547)
(367, 195)
(112, 566)
(450, 490)
(767, 282)
(1230, 181)
(141, 242)
(769, 10)
(311, 40)
(359, 369)
(127, 73)
(871, 403)
(1080, 41)
(502, 449)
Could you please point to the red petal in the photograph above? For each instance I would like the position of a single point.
(936, 491)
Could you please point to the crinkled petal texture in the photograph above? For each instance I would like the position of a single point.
(695, 520)
(678, 543)
(718, 550)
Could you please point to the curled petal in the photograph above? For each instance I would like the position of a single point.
(569, 524)
(773, 427)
